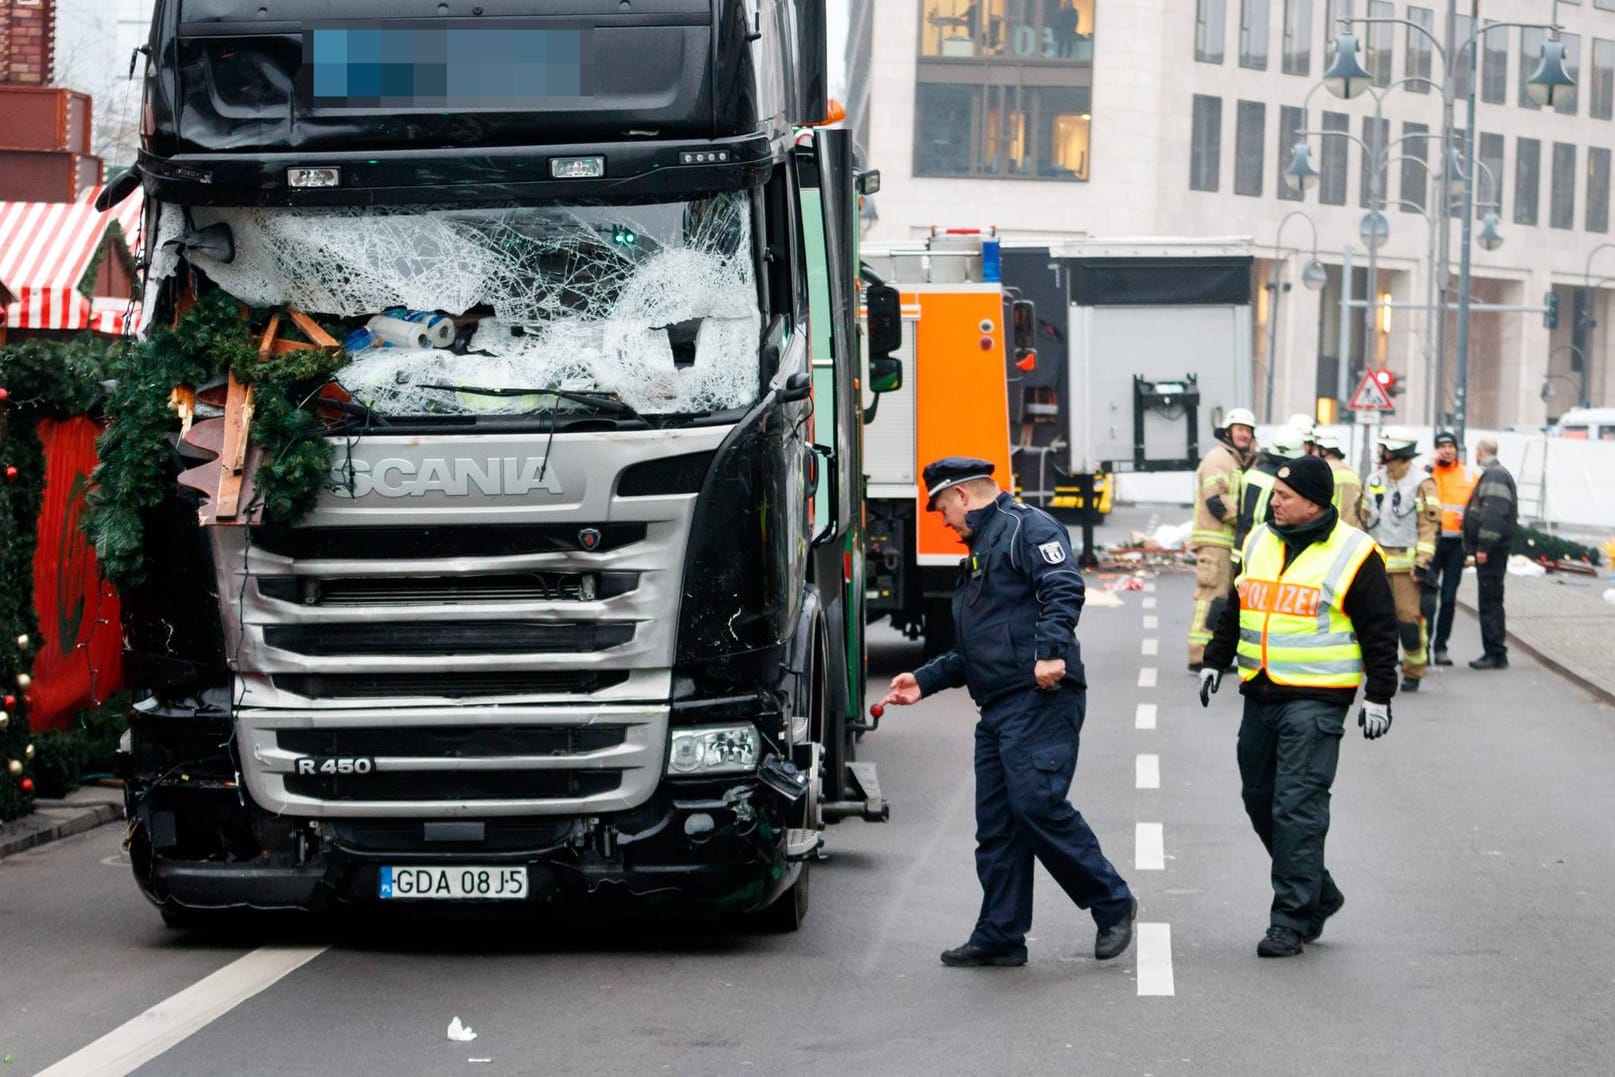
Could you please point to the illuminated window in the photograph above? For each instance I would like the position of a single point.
(1003, 89)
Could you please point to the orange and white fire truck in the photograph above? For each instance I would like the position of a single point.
(966, 340)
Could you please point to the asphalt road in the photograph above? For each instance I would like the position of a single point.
(1473, 844)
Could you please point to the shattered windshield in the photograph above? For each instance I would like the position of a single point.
(653, 304)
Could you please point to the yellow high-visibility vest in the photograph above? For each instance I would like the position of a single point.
(1291, 624)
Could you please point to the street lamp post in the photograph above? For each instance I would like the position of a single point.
(1545, 84)
(1312, 277)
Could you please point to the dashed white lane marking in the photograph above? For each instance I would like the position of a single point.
(1147, 772)
(1151, 621)
(138, 1041)
(1155, 960)
(1149, 588)
(1146, 677)
(1150, 646)
(1148, 603)
(1149, 847)
(1144, 716)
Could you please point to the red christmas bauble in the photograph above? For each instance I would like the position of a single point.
(27, 785)
(11, 473)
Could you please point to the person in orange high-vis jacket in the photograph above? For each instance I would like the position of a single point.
(1218, 485)
(1438, 593)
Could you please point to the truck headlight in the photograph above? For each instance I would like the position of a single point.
(730, 749)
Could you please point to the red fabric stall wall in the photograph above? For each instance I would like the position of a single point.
(78, 662)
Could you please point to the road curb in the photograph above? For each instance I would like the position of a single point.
(1552, 663)
(55, 820)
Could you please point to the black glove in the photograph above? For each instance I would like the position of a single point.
(1375, 719)
(1209, 680)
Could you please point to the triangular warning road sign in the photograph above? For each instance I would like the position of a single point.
(1370, 395)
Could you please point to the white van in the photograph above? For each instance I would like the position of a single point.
(1587, 424)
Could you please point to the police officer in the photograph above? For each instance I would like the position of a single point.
(1404, 517)
(1310, 614)
(1348, 486)
(1015, 611)
(1216, 513)
(1454, 484)
(1287, 444)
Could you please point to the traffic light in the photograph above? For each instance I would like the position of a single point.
(1550, 312)
(1388, 381)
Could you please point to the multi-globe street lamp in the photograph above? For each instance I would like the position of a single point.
(1346, 78)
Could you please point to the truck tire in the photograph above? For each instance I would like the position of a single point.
(790, 909)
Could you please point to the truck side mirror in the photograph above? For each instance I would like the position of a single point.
(885, 321)
(1023, 325)
(885, 374)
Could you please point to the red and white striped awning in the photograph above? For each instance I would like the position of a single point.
(45, 250)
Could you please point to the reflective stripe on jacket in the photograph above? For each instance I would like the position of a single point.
(1218, 477)
(1291, 624)
(1454, 485)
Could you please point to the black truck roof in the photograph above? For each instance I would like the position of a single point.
(412, 98)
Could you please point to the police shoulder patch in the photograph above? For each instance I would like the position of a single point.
(1052, 552)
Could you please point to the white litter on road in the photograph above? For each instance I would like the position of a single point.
(460, 1033)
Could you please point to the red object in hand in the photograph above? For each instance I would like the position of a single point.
(27, 785)
(876, 710)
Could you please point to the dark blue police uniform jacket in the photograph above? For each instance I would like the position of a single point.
(1018, 599)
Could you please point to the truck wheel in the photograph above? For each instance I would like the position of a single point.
(788, 912)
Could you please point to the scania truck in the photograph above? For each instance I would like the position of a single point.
(573, 617)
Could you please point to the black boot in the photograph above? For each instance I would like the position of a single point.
(1490, 661)
(1410, 684)
(1439, 657)
(1113, 940)
(970, 957)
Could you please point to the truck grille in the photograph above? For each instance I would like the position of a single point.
(416, 543)
(452, 742)
(447, 638)
(449, 590)
(418, 785)
(451, 684)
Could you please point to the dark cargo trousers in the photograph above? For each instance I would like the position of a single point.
(1288, 751)
(1438, 595)
(1489, 580)
(1026, 756)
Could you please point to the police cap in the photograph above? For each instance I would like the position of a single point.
(951, 471)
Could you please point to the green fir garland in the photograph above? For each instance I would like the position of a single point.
(130, 381)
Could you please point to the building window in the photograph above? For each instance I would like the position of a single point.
(1298, 38)
(1571, 97)
(1380, 35)
(1205, 146)
(1531, 39)
(1210, 17)
(1527, 173)
(1006, 131)
(1374, 180)
(1494, 67)
(1249, 128)
(1562, 195)
(1459, 77)
(1292, 121)
(1253, 33)
(1597, 189)
(1489, 179)
(1332, 179)
(1052, 30)
(1601, 89)
(1415, 170)
(1419, 66)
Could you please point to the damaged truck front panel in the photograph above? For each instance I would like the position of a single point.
(553, 629)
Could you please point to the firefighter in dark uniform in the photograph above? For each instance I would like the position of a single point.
(1015, 612)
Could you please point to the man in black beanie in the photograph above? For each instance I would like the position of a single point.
(1310, 619)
